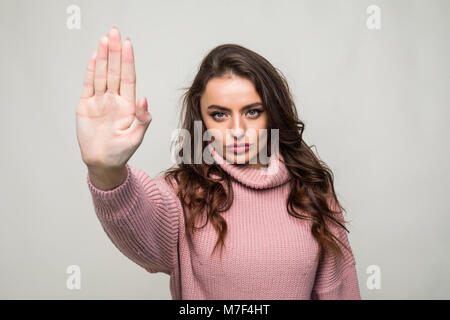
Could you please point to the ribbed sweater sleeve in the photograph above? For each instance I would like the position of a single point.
(141, 217)
(337, 279)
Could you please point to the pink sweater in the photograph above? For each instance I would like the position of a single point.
(268, 255)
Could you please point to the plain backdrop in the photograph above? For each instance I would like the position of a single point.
(375, 103)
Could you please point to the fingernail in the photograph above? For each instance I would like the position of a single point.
(114, 26)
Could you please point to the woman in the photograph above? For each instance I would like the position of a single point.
(277, 221)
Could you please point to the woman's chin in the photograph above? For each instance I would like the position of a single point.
(240, 158)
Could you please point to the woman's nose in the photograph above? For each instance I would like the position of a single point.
(237, 131)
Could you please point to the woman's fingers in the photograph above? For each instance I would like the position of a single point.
(88, 85)
(114, 57)
(128, 73)
(101, 63)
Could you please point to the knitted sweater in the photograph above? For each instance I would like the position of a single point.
(268, 254)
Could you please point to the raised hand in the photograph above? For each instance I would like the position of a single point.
(110, 125)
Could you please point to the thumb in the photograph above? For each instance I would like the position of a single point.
(142, 120)
(143, 117)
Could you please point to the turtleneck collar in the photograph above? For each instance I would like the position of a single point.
(274, 175)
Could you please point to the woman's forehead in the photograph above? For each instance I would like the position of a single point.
(231, 93)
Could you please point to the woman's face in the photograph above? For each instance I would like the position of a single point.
(232, 107)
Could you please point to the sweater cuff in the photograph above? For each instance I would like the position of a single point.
(117, 202)
(347, 287)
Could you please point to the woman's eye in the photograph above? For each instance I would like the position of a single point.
(257, 113)
(214, 115)
(254, 113)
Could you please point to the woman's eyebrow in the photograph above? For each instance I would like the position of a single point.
(227, 109)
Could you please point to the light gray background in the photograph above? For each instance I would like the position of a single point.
(375, 104)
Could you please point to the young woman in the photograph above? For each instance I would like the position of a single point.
(236, 227)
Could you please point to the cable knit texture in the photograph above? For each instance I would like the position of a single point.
(268, 254)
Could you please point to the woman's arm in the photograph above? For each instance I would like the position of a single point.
(139, 214)
(140, 217)
(336, 283)
(337, 280)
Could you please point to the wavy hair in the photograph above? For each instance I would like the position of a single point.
(311, 189)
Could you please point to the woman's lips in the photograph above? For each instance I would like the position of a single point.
(239, 148)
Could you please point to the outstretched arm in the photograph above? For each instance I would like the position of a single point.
(141, 218)
(139, 214)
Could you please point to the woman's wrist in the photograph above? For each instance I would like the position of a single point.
(107, 179)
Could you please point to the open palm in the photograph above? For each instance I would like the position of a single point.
(110, 125)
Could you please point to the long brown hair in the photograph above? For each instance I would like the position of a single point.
(312, 184)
